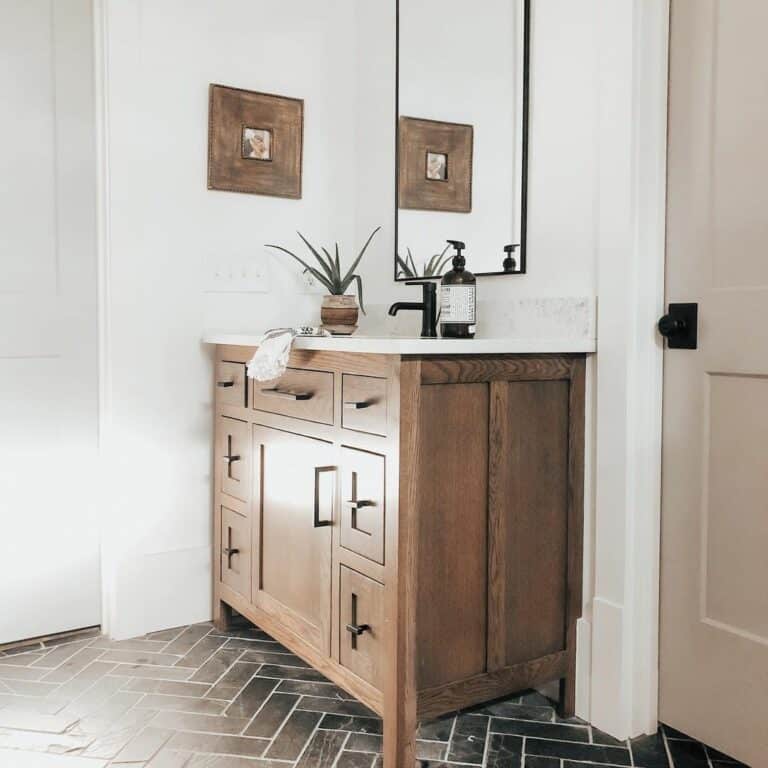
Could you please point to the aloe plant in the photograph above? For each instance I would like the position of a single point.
(433, 268)
(329, 274)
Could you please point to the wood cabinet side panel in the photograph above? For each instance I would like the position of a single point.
(453, 538)
(534, 467)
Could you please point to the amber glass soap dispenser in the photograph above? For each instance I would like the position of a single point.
(457, 298)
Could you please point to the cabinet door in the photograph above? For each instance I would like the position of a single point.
(296, 494)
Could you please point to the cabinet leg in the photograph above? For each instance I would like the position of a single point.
(399, 740)
(566, 706)
(222, 615)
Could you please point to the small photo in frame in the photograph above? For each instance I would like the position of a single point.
(437, 166)
(254, 142)
(257, 143)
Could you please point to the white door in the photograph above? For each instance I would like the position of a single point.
(714, 591)
(49, 543)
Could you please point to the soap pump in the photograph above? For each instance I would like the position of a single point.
(509, 264)
(457, 298)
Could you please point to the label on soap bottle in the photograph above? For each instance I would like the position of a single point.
(457, 304)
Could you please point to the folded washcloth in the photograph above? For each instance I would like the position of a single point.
(271, 358)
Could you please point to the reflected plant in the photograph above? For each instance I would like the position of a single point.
(329, 273)
(406, 267)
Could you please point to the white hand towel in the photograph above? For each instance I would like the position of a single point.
(271, 358)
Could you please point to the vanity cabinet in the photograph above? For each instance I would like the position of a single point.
(409, 525)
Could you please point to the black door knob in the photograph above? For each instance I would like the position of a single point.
(680, 326)
(670, 326)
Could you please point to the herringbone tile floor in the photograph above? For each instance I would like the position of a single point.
(195, 698)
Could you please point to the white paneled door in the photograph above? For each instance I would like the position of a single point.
(49, 543)
(714, 575)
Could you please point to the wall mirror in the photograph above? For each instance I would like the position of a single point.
(462, 135)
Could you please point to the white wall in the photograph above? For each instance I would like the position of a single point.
(166, 235)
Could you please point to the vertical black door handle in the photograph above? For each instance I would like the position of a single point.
(317, 522)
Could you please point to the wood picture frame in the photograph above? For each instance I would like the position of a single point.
(435, 165)
(254, 142)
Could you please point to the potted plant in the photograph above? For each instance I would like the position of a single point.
(406, 267)
(339, 311)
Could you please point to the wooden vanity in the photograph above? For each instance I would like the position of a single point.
(409, 524)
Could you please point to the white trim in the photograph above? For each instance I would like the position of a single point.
(633, 40)
(100, 37)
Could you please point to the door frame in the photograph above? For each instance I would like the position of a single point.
(619, 693)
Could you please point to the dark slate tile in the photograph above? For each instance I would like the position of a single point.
(352, 723)
(542, 762)
(600, 737)
(335, 706)
(650, 752)
(165, 635)
(323, 750)
(200, 652)
(719, 757)
(505, 751)
(364, 742)
(214, 744)
(672, 733)
(250, 699)
(584, 752)
(536, 699)
(267, 646)
(229, 683)
(468, 740)
(430, 750)
(84, 634)
(242, 633)
(293, 736)
(324, 690)
(262, 657)
(516, 711)
(272, 715)
(688, 754)
(540, 730)
(439, 730)
(292, 673)
(187, 639)
(354, 760)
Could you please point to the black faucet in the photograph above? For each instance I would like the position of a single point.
(428, 307)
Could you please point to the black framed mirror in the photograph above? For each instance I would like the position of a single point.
(462, 135)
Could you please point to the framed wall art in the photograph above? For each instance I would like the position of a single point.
(254, 142)
(435, 171)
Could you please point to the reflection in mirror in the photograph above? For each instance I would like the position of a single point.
(462, 108)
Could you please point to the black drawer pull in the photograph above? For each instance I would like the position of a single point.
(357, 630)
(225, 384)
(230, 459)
(275, 392)
(229, 551)
(359, 503)
(356, 405)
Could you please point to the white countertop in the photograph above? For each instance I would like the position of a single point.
(402, 345)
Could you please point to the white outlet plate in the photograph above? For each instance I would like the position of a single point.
(238, 273)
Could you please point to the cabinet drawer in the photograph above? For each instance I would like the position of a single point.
(234, 457)
(302, 394)
(363, 510)
(362, 629)
(364, 404)
(236, 552)
(231, 384)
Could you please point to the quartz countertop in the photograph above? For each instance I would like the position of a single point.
(406, 345)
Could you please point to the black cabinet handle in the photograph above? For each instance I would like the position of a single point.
(230, 459)
(285, 395)
(356, 405)
(358, 503)
(229, 551)
(357, 630)
(225, 384)
(317, 522)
